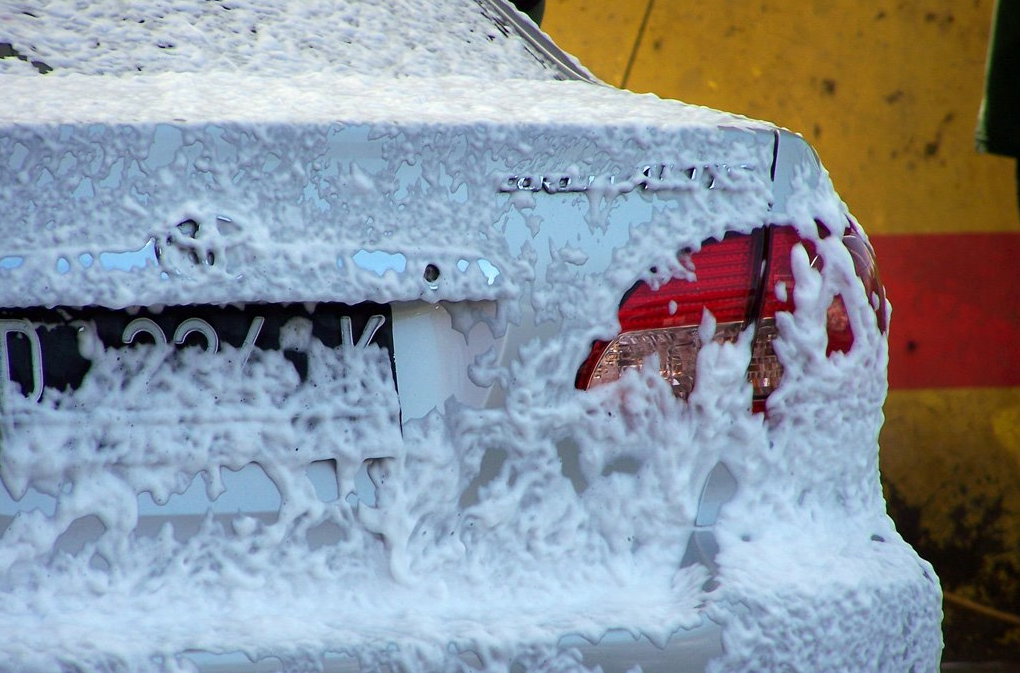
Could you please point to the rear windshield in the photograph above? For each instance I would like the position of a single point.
(389, 38)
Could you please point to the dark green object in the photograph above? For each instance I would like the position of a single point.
(999, 123)
(533, 8)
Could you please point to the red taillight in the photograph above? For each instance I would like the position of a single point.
(867, 270)
(780, 284)
(727, 282)
(664, 322)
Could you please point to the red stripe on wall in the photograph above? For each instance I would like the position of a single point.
(956, 309)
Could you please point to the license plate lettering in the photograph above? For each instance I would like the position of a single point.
(42, 350)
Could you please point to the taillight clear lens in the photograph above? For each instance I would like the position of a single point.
(765, 371)
(662, 325)
(675, 350)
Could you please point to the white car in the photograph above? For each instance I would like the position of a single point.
(382, 336)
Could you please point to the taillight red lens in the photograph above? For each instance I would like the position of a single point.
(727, 283)
(780, 283)
(867, 270)
(664, 322)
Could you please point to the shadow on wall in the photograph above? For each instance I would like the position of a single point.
(971, 564)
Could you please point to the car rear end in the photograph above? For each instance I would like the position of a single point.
(325, 371)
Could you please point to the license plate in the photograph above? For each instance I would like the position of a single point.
(55, 349)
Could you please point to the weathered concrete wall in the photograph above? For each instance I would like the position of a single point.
(888, 92)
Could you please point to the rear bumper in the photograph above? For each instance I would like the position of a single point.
(803, 608)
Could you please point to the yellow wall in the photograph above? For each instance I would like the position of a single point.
(888, 93)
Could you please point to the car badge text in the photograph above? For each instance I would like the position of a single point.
(652, 177)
